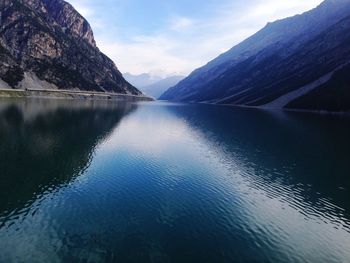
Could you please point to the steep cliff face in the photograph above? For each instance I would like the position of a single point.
(70, 20)
(286, 60)
(48, 41)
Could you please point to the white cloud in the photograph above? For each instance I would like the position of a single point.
(180, 23)
(147, 54)
(273, 9)
(182, 44)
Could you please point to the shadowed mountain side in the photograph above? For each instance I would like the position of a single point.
(305, 56)
(52, 140)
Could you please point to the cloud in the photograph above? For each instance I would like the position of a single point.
(183, 43)
(180, 23)
(147, 54)
(280, 9)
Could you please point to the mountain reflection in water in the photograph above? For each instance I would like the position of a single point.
(86, 181)
(46, 143)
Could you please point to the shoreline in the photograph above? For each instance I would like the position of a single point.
(275, 109)
(271, 109)
(70, 94)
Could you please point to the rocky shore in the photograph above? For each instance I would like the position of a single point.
(70, 94)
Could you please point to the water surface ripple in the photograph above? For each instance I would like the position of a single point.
(159, 182)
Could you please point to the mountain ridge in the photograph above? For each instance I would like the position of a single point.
(236, 72)
(50, 43)
(158, 88)
(141, 80)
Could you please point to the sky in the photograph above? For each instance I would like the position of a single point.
(174, 37)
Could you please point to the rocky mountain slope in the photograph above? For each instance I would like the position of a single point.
(47, 44)
(302, 62)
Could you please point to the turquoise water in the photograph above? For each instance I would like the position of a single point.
(90, 181)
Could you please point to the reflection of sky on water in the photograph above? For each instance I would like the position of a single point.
(243, 183)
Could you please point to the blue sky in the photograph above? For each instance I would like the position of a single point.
(171, 37)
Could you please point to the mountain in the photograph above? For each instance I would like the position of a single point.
(152, 85)
(141, 80)
(301, 62)
(47, 44)
(158, 88)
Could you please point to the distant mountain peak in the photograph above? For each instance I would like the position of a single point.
(158, 88)
(141, 80)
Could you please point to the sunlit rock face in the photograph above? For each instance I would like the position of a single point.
(70, 20)
(300, 62)
(50, 39)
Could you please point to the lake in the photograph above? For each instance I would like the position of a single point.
(94, 181)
